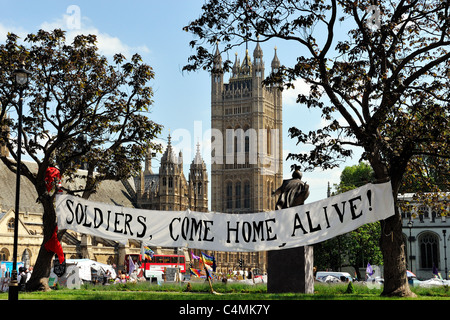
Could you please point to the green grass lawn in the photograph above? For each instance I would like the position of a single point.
(231, 291)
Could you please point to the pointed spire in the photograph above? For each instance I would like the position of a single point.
(258, 68)
(275, 62)
(169, 155)
(148, 162)
(217, 65)
(328, 190)
(246, 67)
(198, 157)
(236, 66)
(257, 53)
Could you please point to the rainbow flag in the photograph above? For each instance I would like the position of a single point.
(195, 272)
(207, 259)
(148, 253)
(208, 270)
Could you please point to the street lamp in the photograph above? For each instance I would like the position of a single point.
(22, 77)
(21, 80)
(410, 225)
(445, 253)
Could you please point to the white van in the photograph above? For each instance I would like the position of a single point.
(154, 276)
(333, 276)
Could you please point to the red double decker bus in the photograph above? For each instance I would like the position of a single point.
(158, 262)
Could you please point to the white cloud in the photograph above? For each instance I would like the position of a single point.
(75, 24)
(318, 182)
(107, 44)
(290, 95)
(16, 30)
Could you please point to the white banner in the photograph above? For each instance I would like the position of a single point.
(272, 230)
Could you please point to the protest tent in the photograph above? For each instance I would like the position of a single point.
(85, 266)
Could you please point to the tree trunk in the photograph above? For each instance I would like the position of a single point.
(391, 239)
(393, 249)
(41, 271)
(42, 267)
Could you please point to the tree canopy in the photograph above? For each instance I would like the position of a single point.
(79, 108)
(355, 176)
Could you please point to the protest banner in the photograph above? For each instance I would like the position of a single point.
(279, 229)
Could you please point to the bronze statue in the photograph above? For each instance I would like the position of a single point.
(292, 192)
(290, 270)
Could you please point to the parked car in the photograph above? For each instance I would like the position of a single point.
(330, 276)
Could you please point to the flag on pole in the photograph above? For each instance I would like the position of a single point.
(194, 257)
(208, 260)
(214, 266)
(131, 266)
(195, 272)
(208, 270)
(148, 253)
(369, 269)
(435, 270)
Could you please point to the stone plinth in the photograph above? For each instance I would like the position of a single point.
(290, 270)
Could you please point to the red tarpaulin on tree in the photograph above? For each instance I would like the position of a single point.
(52, 177)
(55, 246)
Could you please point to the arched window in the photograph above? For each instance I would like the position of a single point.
(229, 195)
(237, 189)
(247, 195)
(4, 254)
(26, 258)
(269, 195)
(429, 251)
(11, 225)
(111, 260)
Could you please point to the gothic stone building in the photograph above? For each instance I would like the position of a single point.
(169, 189)
(246, 166)
(426, 234)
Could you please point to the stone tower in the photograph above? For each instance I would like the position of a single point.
(172, 191)
(198, 184)
(246, 121)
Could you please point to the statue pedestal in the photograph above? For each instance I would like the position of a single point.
(290, 270)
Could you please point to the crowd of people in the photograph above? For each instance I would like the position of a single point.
(23, 276)
(122, 277)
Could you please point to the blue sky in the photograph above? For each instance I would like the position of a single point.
(154, 30)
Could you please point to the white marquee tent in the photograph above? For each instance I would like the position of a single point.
(85, 265)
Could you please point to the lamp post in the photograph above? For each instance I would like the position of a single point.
(410, 225)
(21, 80)
(445, 253)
